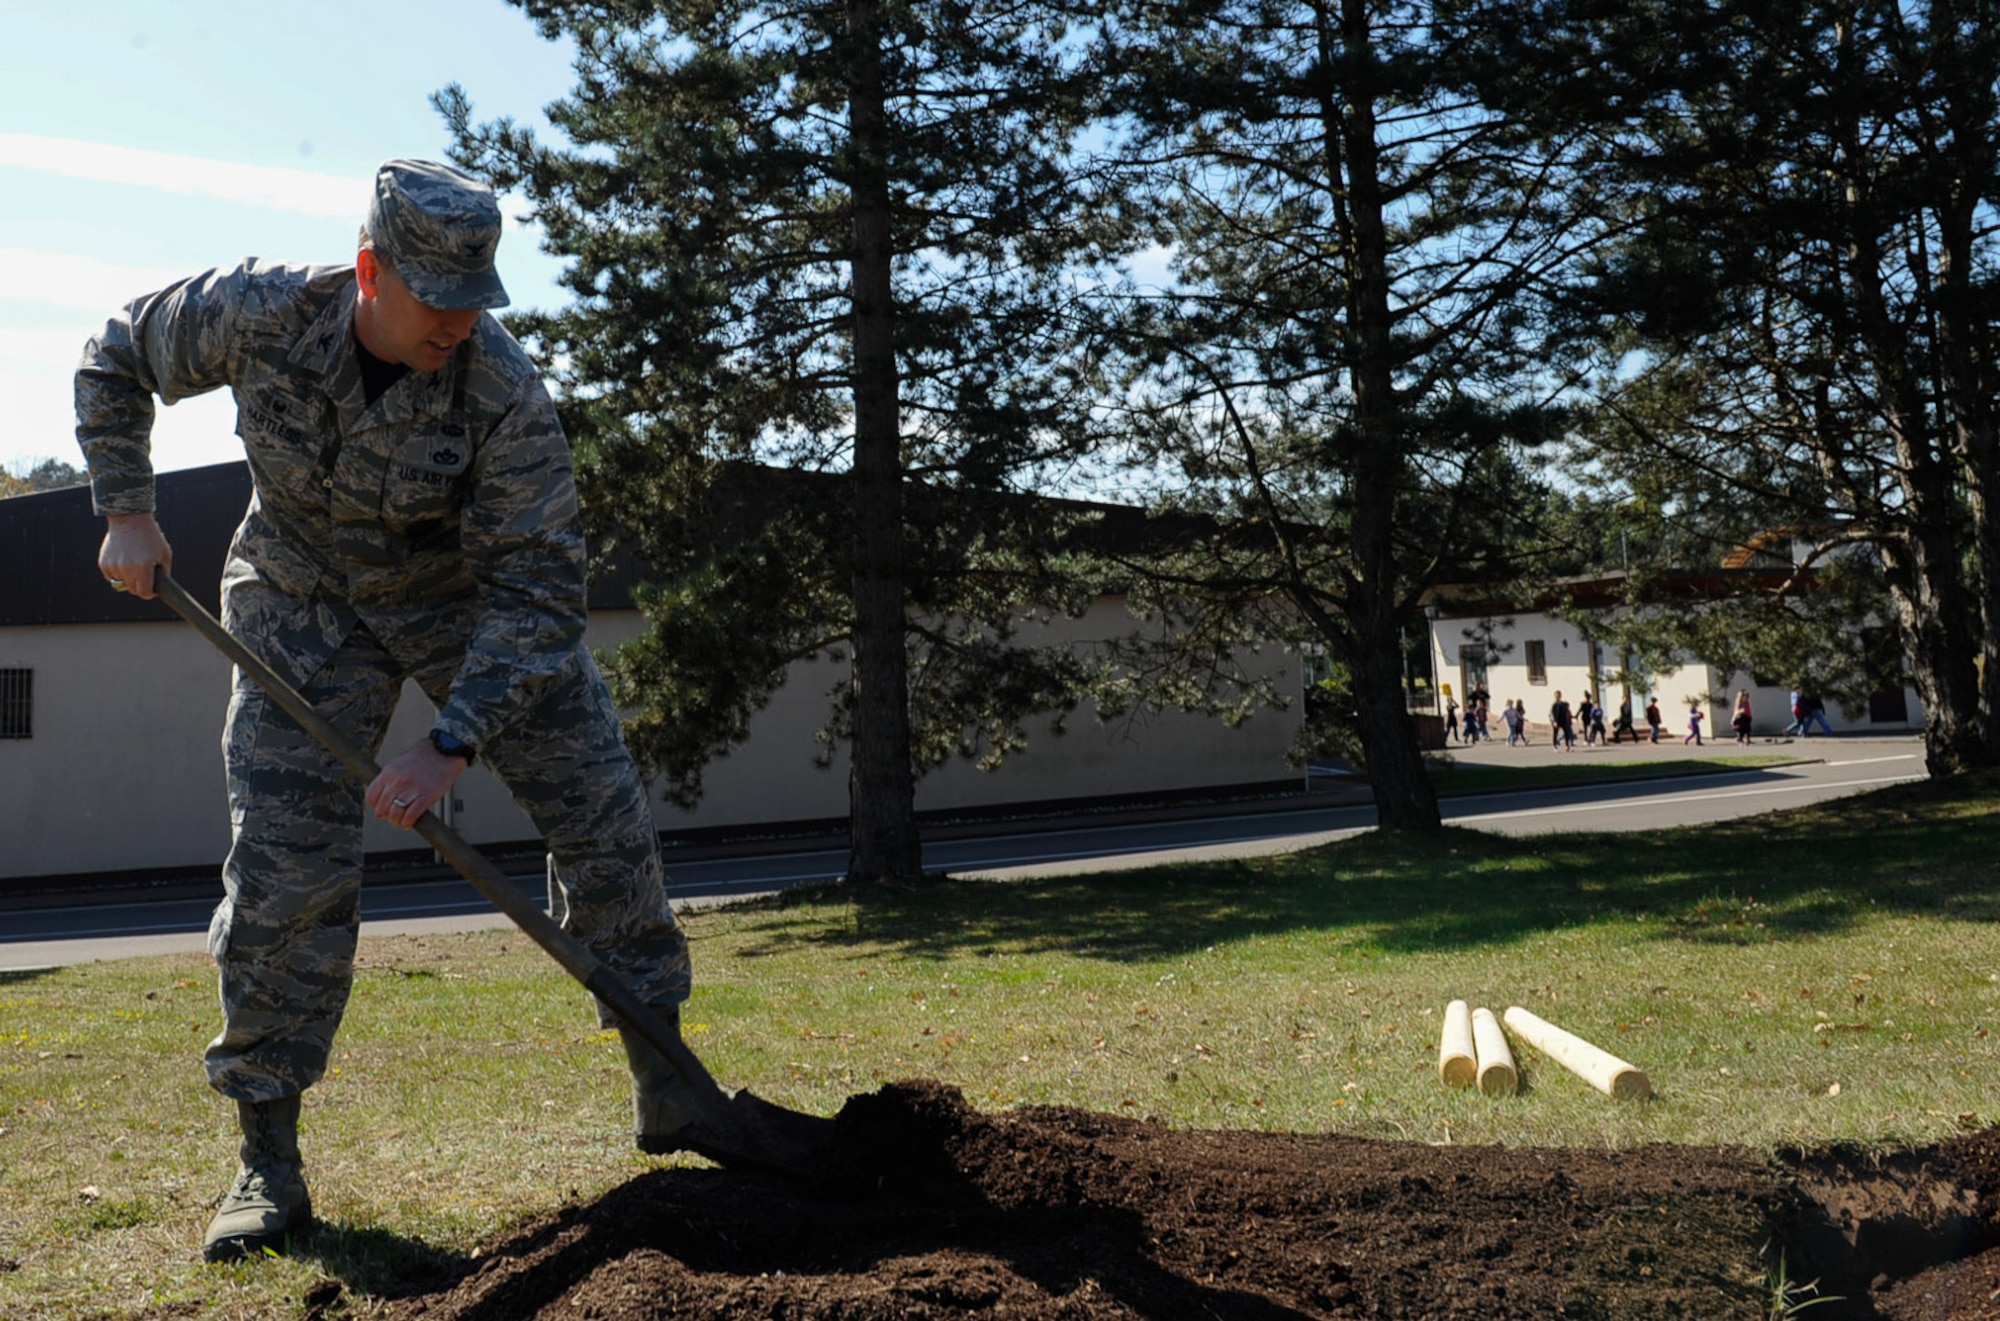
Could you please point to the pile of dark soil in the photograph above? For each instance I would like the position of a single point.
(930, 1210)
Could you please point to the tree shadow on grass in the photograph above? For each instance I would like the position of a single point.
(373, 1261)
(1926, 849)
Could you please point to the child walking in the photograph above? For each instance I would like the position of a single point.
(1741, 721)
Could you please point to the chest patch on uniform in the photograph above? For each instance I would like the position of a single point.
(442, 458)
(277, 414)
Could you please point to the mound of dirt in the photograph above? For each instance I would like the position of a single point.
(929, 1209)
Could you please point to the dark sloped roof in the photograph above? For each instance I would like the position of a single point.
(1602, 591)
(49, 541)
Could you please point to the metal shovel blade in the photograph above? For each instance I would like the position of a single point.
(763, 1136)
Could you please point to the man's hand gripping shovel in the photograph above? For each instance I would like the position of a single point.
(736, 1130)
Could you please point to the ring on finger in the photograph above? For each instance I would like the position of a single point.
(400, 802)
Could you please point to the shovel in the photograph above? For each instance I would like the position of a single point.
(733, 1129)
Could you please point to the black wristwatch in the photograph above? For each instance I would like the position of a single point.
(452, 747)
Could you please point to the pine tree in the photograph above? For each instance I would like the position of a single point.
(839, 239)
(1342, 371)
(1802, 199)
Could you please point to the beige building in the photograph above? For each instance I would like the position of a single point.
(1535, 655)
(111, 714)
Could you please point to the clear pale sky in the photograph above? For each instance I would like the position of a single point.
(145, 140)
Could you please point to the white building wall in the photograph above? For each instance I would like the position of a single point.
(125, 760)
(1566, 668)
(124, 773)
(1569, 670)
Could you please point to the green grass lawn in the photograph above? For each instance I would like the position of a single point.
(1815, 976)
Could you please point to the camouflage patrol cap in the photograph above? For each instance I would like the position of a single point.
(439, 226)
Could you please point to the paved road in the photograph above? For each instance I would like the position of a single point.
(82, 932)
(1826, 769)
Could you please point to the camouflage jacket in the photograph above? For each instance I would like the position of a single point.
(443, 515)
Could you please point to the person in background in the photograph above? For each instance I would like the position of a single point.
(1624, 725)
(1516, 719)
(1653, 720)
(1563, 730)
(1815, 711)
(1740, 722)
(1694, 725)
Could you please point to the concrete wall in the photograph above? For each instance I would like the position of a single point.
(124, 767)
(124, 771)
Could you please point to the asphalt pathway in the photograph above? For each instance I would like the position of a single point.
(43, 933)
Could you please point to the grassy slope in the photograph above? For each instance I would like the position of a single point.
(1795, 978)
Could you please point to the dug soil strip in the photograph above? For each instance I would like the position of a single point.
(931, 1210)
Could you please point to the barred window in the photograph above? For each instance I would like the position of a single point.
(17, 703)
(1538, 662)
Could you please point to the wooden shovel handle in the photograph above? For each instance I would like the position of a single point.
(566, 949)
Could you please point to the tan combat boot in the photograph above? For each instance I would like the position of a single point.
(661, 1111)
(269, 1202)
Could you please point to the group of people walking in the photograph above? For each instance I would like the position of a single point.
(1587, 719)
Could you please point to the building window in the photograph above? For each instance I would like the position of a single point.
(1538, 662)
(1472, 671)
(17, 703)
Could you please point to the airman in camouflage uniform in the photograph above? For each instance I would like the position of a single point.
(414, 516)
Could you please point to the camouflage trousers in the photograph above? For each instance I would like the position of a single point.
(284, 934)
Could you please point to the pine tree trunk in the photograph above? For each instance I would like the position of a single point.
(1942, 622)
(1404, 796)
(883, 841)
(1970, 381)
(1923, 581)
(1983, 505)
